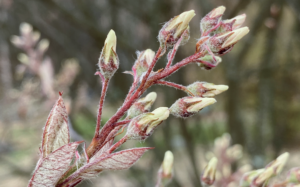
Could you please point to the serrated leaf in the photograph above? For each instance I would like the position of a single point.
(56, 132)
(51, 168)
(116, 161)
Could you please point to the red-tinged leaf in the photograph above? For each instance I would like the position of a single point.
(56, 132)
(51, 168)
(116, 161)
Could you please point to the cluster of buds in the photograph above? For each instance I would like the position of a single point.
(262, 176)
(189, 106)
(142, 126)
(176, 28)
(34, 59)
(165, 172)
(227, 154)
(204, 89)
(109, 61)
(141, 106)
(209, 173)
(219, 36)
(293, 176)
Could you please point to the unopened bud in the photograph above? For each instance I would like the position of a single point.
(142, 126)
(167, 165)
(238, 21)
(36, 36)
(235, 152)
(17, 41)
(271, 169)
(188, 106)
(23, 58)
(208, 62)
(204, 89)
(293, 175)
(142, 105)
(222, 44)
(25, 28)
(263, 177)
(211, 20)
(280, 162)
(43, 45)
(108, 61)
(173, 29)
(143, 62)
(248, 177)
(209, 173)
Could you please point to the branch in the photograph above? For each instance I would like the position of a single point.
(174, 85)
(103, 94)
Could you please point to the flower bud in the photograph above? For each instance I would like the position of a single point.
(271, 169)
(204, 89)
(142, 126)
(223, 43)
(25, 28)
(36, 36)
(211, 20)
(293, 175)
(173, 29)
(209, 173)
(188, 106)
(43, 45)
(143, 62)
(263, 177)
(167, 165)
(248, 177)
(238, 21)
(17, 41)
(23, 58)
(109, 61)
(208, 62)
(142, 105)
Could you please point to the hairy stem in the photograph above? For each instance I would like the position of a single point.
(98, 141)
(104, 89)
(174, 51)
(174, 85)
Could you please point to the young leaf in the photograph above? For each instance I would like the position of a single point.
(50, 169)
(56, 132)
(116, 161)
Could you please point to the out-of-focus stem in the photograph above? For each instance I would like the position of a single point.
(104, 89)
(174, 85)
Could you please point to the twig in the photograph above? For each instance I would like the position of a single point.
(174, 85)
(104, 89)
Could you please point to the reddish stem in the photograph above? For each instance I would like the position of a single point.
(132, 88)
(206, 63)
(118, 144)
(121, 122)
(98, 141)
(175, 67)
(173, 53)
(174, 85)
(104, 89)
(210, 30)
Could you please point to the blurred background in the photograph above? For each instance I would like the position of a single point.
(260, 110)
